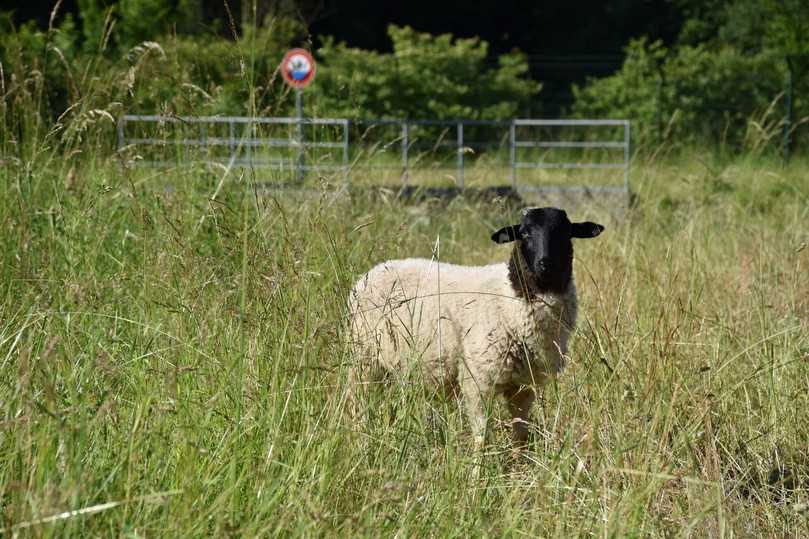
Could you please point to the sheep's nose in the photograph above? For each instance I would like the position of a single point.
(544, 264)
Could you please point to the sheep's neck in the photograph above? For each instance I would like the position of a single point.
(526, 284)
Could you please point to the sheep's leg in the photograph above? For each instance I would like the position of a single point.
(520, 400)
(473, 399)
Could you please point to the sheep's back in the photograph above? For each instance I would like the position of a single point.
(395, 310)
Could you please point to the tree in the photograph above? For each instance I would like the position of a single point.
(425, 76)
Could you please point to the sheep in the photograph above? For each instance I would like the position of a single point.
(478, 331)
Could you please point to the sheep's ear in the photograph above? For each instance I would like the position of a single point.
(506, 234)
(586, 230)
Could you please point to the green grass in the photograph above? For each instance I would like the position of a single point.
(185, 356)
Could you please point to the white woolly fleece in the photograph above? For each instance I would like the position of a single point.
(464, 328)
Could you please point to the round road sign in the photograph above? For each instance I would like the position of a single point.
(298, 68)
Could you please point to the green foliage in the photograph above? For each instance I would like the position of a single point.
(189, 17)
(720, 83)
(740, 23)
(66, 83)
(128, 59)
(632, 93)
(750, 26)
(95, 19)
(723, 82)
(425, 76)
(142, 20)
(201, 75)
(692, 94)
(787, 23)
(39, 81)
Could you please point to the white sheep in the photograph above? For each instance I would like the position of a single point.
(478, 331)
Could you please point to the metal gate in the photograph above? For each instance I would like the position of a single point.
(238, 137)
(622, 145)
(282, 144)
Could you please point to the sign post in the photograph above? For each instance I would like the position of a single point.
(298, 70)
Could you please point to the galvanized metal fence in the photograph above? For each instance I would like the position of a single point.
(240, 145)
(256, 142)
(622, 145)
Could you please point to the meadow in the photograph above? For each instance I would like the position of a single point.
(173, 360)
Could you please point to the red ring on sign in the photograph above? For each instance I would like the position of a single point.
(298, 68)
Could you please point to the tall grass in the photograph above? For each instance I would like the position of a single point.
(185, 357)
(172, 357)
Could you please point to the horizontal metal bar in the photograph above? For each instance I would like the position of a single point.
(418, 168)
(448, 123)
(479, 145)
(280, 164)
(530, 122)
(571, 165)
(571, 188)
(451, 123)
(564, 144)
(212, 141)
(232, 119)
(323, 144)
(344, 121)
(323, 167)
(377, 122)
(224, 161)
(215, 141)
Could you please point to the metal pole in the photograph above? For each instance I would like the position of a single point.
(788, 118)
(232, 140)
(513, 153)
(299, 134)
(251, 131)
(202, 141)
(460, 155)
(626, 157)
(345, 148)
(405, 133)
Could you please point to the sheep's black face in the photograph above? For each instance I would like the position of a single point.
(544, 250)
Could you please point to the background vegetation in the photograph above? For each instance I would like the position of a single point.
(725, 81)
(720, 78)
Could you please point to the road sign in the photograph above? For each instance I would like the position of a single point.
(298, 68)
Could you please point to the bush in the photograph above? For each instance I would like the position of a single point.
(425, 76)
(692, 95)
(203, 75)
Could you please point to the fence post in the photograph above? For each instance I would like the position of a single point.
(405, 134)
(299, 133)
(513, 153)
(460, 155)
(232, 140)
(202, 140)
(186, 141)
(626, 156)
(249, 141)
(345, 148)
